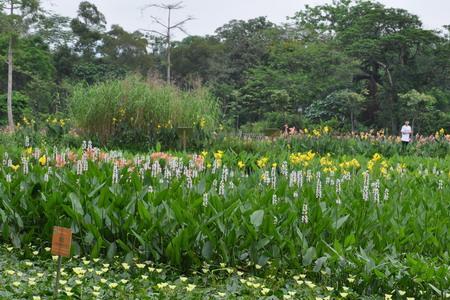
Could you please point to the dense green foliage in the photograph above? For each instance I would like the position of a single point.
(385, 219)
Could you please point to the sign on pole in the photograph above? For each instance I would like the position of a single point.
(61, 243)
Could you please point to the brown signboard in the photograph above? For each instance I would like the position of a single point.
(61, 241)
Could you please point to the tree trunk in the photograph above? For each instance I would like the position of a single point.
(10, 80)
(168, 48)
(353, 121)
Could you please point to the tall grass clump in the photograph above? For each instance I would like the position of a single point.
(136, 113)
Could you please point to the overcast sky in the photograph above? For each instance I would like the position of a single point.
(211, 14)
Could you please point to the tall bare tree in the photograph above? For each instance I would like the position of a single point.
(168, 27)
(25, 7)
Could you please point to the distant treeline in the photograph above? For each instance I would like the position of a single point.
(351, 64)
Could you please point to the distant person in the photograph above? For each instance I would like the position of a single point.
(406, 134)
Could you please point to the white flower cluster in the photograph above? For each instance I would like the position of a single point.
(376, 191)
(318, 186)
(305, 214)
(366, 186)
(115, 176)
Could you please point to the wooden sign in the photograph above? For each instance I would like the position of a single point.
(61, 241)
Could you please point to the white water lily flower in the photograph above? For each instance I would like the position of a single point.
(113, 285)
(190, 287)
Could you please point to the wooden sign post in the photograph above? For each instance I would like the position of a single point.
(61, 243)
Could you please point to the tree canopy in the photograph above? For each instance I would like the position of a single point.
(357, 64)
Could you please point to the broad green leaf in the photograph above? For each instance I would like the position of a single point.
(256, 218)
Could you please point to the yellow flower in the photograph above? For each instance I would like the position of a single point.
(43, 160)
(316, 132)
(29, 150)
(241, 164)
(218, 155)
(376, 157)
(204, 154)
(262, 162)
(274, 165)
(15, 167)
(202, 122)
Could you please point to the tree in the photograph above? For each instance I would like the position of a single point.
(417, 107)
(386, 41)
(195, 59)
(125, 49)
(88, 27)
(295, 75)
(342, 105)
(168, 27)
(16, 25)
(246, 45)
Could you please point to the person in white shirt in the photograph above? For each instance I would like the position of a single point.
(406, 134)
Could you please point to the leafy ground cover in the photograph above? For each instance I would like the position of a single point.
(82, 278)
(373, 225)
